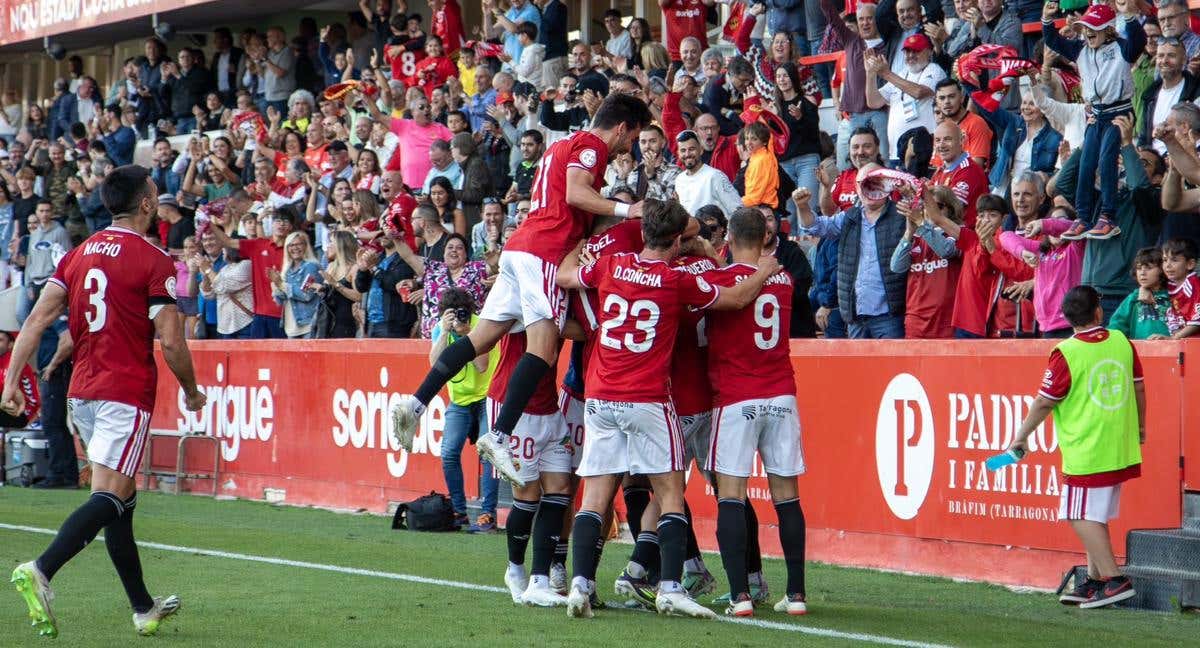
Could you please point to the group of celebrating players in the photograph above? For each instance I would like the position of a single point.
(682, 356)
(650, 300)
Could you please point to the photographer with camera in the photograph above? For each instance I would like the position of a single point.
(466, 414)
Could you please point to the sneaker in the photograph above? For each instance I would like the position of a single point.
(1114, 590)
(1077, 231)
(517, 583)
(1082, 592)
(542, 597)
(595, 602)
(698, 583)
(404, 422)
(460, 521)
(579, 604)
(680, 604)
(742, 607)
(635, 589)
(759, 593)
(35, 589)
(1104, 229)
(495, 452)
(558, 578)
(793, 604)
(483, 524)
(147, 623)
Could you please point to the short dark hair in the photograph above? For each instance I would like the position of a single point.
(44, 201)
(991, 202)
(656, 129)
(1079, 305)
(662, 222)
(864, 130)
(712, 211)
(124, 187)
(739, 66)
(1160, 165)
(535, 135)
(614, 13)
(946, 83)
(440, 144)
(1147, 256)
(460, 113)
(620, 109)
(528, 28)
(1184, 247)
(454, 299)
(289, 213)
(747, 226)
(7, 334)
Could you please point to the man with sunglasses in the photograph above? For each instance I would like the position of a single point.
(416, 136)
(1174, 19)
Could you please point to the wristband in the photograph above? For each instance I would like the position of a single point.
(621, 209)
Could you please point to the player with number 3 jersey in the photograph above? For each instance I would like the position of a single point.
(119, 292)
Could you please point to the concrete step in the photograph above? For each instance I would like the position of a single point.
(1191, 511)
(1177, 550)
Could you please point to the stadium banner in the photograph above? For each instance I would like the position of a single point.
(22, 20)
(894, 433)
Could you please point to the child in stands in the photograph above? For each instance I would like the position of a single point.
(1179, 265)
(1143, 314)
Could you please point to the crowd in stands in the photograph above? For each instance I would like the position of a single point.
(343, 180)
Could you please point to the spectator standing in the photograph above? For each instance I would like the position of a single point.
(444, 200)
(335, 314)
(654, 177)
(264, 254)
(959, 171)
(456, 271)
(552, 35)
(1174, 18)
(54, 178)
(529, 68)
(386, 313)
(908, 94)
(699, 184)
(932, 262)
(1058, 266)
(54, 368)
(793, 261)
(506, 23)
(1180, 219)
(803, 153)
(433, 234)
(870, 295)
(231, 288)
(853, 100)
(416, 135)
(47, 244)
(477, 180)
(447, 24)
(465, 417)
(717, 150)
(723, 95)
(293, 285)
(1173, 85)
(841, 193)
(227, 66)
(185, 86)
(1145, 70)
(276, 64)
(1027, 143)
(951, 102)
(487, 235)
(619, 43)
(762, 167)
(683, 18)
(162, 170)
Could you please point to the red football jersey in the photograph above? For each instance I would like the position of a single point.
(641, 302)
(932, 282)
(748, 351)
(263, 255)
(689, 363)
(968, 182)
(1185, 303)
(545, 398)
(684, 18)
(113, 281)
(448, 25)
(845, 190)
(29, 387)
(553, 227)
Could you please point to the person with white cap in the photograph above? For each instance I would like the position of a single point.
(909, 94)
(1105, 60)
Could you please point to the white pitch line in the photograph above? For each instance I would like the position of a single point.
(337, 569)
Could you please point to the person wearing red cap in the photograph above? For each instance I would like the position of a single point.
(1105, 61)
(909, 96)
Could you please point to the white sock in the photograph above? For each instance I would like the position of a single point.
(582, 583)
(669, 587)
(516, 570)
(418, 407)
(693, 565)
(635, 570)
(539, 580)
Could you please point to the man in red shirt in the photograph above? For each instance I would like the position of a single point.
(119, 292)
(630, 418)
(565, 200)
(684, 18)
(959, 171)
(754, 395)
(448, 24)
(29, 388)
(264, 254)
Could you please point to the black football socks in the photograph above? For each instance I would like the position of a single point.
(731, 538)
(792, 538)
(123, 551)
(520, 521)
(546, 531)
(451, 361)
(80, 528)
(524, 381)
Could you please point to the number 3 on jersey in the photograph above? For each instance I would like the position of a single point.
(619, 310)
(95, 282)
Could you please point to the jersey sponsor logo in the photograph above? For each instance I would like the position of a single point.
(234, 413)
(107, 248)
(687, 13)
(633, 275)
(587, 157)
(904, 445)
(1109, 385)
(749, 412)
(362, 420)
(929, 267)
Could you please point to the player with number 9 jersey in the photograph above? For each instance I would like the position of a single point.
(115, 281)
(749, 354)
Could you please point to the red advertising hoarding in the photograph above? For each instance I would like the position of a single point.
(895, 435)
(22, 20)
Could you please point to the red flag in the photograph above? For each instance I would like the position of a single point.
(736, 13)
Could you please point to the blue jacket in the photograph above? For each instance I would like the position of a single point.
(304, 303)
(63, 113)
(824, 289)
(1011, 130)
(120, 145)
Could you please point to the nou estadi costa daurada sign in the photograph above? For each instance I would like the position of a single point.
(22, 20)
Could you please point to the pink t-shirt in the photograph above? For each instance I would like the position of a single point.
(181, 280)
(414, 148)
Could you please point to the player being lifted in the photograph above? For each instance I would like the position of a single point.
(565, 199)
(630, 420)
(119, 291)
(754, 394)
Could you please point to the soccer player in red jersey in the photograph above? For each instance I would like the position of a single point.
(565, 200)
(119, 292)
(631, 422)
(754, 393)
